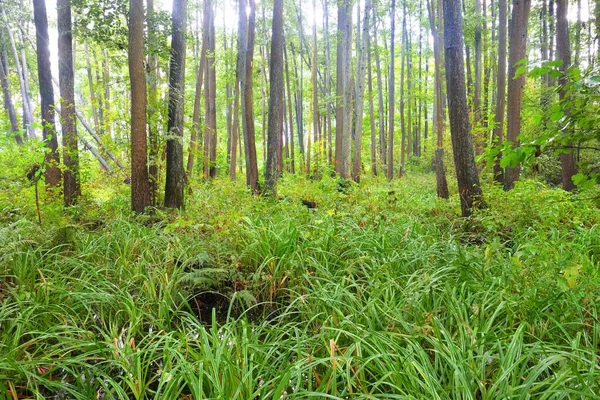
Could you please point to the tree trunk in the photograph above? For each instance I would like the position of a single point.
(315, 94)
(67, 103)
(140, 189)
(517, 52)
(210, 86)
(346, 147)
(290, 111)
(478, 71)
(52, 160)
(27, 111)
(371, 109)
(9, 106)
(235, 129)
(498, 135)
(196, 126)
(382, 137)
(107, 100)
(563, 52)
(276, 100)
(175, 173)
(440, 169)
(339, 89)
(93, 101)
(403, 56)
(152, 111)
(462, 144)
(360, 91)
(245, 56)
(391, 88)
(329, 104)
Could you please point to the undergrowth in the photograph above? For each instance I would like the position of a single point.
(379, 291)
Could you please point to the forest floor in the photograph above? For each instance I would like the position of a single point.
(374, 291)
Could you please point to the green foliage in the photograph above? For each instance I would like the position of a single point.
(381, 291)
(568, 125)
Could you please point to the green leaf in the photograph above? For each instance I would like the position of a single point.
(520, 71)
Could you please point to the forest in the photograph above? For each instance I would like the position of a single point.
(300, 199)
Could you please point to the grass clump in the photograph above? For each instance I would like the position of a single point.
(379, 292)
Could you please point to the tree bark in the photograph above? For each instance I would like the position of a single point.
(140, 188)
(563, 52)
(371, 110)
(152, 110)
(210, 86)
(9, 106)
(68, 118)
(462, 144)
(27, 111)
(245, 56)
(196, 126)
(391, 88)
(52, 160)
(478, 69)
(93, 100)
(360, 90)
(380, 89)
(498, 135)
(276, 100)
(342, 14)
(290, 111)
(517, 52)
(175, 173)
(440, 169)
(346, 148)
(235, 129)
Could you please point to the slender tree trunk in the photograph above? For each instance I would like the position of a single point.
(342, 14)
(228, 106)
(140, 188)
(360, 92)
(403, 57)
(462, 144)
(290, 111)
(67, 103)
(107, 99)
(100, 97)
(245, 56)
(391, 88)
(210, 85)
(371, 109)
(346, 156)
(93, 101)
(315, 99)
(27, 99)
(517, 52)
(196, 125)
(329, 105)
(487, 71)
(9, 106)
(235, 130)
(52, 160)
(276, 99)
(27, 110)
(440, 168)
(299, 104)
(470, 83)
(263, 93)
(152, 110)
(498, 137)
(478, 69)
(563, 52)
(175, 173)
(382, 136)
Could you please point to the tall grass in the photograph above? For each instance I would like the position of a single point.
(381, 292)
